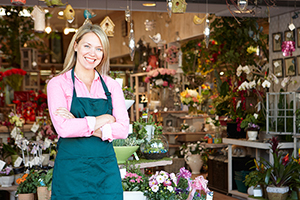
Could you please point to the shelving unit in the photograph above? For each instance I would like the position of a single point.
(135, 81)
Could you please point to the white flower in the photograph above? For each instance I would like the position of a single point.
(266, 84)
(217, 117)
(177, 90)
(160, 179)
(193, 147)
(170, 188)
(244, 86)
(193, 93)
(246, 69)
(238, 104)
(155, 188)
(255, 115)
(285, 81)
(252, 84)
(159, 82)
(239, 71)
(47, 143)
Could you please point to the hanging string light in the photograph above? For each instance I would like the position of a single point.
(131, 44)
(207, 29)
(169, 7)
(48, 29)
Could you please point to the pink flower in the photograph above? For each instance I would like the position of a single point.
(165, 84)
(155, 73)
(173, 71)
(167, 183)
(147, 79)
(132, 181)
(162, 71)
(169, 72)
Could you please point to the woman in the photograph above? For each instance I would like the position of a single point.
(88, 111)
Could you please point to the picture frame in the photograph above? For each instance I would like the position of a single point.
(298, 39)
(278, 67)
(298, 64)
(289, 35)
(290, 66)
(277, 41)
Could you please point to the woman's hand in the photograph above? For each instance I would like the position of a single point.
(98, 133)
(104, 119)
(63, 112)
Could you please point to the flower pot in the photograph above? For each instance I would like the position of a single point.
(277, 193)
(133, 195)
(29, 196)
(43, 193)
(7, 181)
(124, 152)
(46, 159)
(128, 103)
(252, 135)
(195, 162)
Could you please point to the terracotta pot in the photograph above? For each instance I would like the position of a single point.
(29, 196)
(195, 162)
(43, 193)
(277, 193)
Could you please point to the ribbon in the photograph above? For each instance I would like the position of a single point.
(287, 48)
(200, 183)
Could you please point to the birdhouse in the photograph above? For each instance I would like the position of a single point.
(38, 15)
(18, 2)
(108, 26)
(179, 6)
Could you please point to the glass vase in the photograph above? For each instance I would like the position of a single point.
(164, 96)
(193, 111)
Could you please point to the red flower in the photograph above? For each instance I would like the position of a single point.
(285, 159)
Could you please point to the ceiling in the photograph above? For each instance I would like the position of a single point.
(106, 7)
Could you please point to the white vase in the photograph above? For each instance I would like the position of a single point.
(252, 135)
(133, 195)
(128, 103)
(195, 162)
(7, 181)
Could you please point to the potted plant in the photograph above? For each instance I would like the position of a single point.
(124, 148)
(279, 174)
(250, 124)
(129, 96)
(193, 153)
(134, 186)
(44, 185)
(6, 176)
(161, 185)
(27, 185)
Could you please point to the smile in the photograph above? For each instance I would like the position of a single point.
(90, 60)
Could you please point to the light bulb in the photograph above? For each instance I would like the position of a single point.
(66, 31)
(48, 29)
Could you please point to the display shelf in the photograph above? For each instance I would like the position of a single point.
(194, 117)
(12, 191)
(215, 146)
(188, 133)
(251, 144)
(144, 163)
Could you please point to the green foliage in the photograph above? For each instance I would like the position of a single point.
(30, 184)
(253, 178)
(129, 141)
(48, 179)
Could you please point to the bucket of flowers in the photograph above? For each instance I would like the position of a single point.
(6, 176)
(192, 99)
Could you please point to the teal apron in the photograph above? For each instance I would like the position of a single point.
(86, 167)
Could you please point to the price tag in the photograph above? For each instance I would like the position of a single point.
(18, 162)
(2, 164)
(288, 35)
(276, 64)
(35, 127)
(292, 26)
(277, 36)
(130, 129)
(136, 156)
(42, 158)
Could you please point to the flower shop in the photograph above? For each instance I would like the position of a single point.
(213, 99)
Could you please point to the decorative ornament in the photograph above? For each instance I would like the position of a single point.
(127, 14)
(197, 20)
(131, 42)
(53, 3)
(207, 32)
(288, 47)
(172, 55)
(179, 6)
(38, 15)
(242, 4)
(149, 25)
(169, 7)
(69, 14)
(108, 26)
(18, 2)
(88, 14)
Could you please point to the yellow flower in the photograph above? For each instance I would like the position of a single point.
(184, 93)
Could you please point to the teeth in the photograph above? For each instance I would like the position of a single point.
(90, 60)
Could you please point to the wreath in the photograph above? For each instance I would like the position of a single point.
(171, 55)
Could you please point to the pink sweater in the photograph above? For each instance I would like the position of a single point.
(60, 92)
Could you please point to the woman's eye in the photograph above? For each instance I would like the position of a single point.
(98, 49)
(86, 46)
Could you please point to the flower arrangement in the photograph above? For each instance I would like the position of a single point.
(184, 126)
(192, 148)
(7, 171)
(128, 93)
(13, 77)
(205, 89)
(171, 55)
(45, 135)
(28, 182)
(132, 182)
(190, 97)
(161, 77)
(250, 123)
(161, 186)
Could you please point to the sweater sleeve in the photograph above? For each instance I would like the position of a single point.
(58, 96)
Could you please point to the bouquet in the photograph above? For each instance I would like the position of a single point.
(161, 186)
(192, 148)
(190, 97)
(161, 77)
(132, 182)
(13, 77)
(128, 93)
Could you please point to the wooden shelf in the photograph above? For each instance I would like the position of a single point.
(188, 133)
(174, 145)
(195, 117)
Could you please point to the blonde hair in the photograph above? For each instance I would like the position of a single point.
(71, 57)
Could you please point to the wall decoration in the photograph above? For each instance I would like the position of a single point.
(88, 14)
(38, 15)
(277, 40)
(298, 64)
(298, 37)
(69, 14)
(179, 6)
(108, 26)
(290, 67)
(277, 67)
(289, 35)
(18, 2)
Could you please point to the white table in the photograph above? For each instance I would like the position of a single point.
(252, 144)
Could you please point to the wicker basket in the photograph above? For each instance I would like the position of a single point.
(177, 163)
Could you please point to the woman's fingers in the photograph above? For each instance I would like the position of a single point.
(63, 112)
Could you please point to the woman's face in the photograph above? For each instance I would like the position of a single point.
(89, 51)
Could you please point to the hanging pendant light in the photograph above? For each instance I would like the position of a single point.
(131, 41)
(207, 32)
(169, 7)
(48, 29)
(38, 15)
(127, 14)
